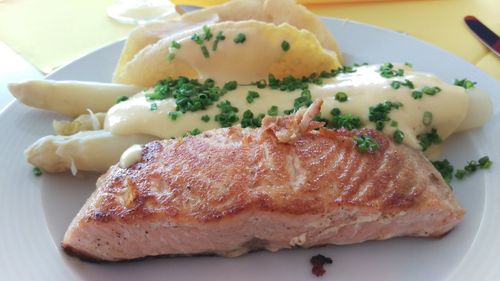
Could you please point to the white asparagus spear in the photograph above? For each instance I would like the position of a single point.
(71, 98)
(84, 151)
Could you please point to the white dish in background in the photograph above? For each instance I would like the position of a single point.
(34, 212)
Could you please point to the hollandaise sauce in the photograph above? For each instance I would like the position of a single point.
(414, 108)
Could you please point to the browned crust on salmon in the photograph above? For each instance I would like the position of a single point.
(290, 169)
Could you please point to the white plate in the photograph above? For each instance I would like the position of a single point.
(34, 212)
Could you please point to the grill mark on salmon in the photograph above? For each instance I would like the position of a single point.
(290, 181)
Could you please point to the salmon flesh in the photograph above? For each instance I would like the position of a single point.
(290, 183)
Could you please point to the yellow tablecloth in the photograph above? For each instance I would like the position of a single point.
(50, 33)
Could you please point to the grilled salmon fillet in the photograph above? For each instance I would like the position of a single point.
(290, 183)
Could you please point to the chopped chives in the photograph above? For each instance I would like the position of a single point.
(261, 84)
(251, 96)
(195, 132)
(249, 120)
(205, 118)
(204, 51)
(379, 114)
(397, 84)
(398, 136)
(227, 116)
(341, 97)
(347, 121)
(197, 39)
(387, 71)
(285, 46)
(240, 38)
(174, 44)
(121, 98)
(174, 115)
(366, 143)
(231, 85)
(465, 83)
(207, 34)
(427, 139)
(219, 37)
(273, 111)
(445, 168)
(427, 118)
(37, 171)
(484, 162)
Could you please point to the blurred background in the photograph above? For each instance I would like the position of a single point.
(38, 36)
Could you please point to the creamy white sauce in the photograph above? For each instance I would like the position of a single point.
(253, 59)
(229, 57)
(131, 156)
(364, 88)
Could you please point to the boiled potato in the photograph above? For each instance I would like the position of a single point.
(271, 11)
(260, 53)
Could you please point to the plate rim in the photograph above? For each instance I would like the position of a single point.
(11, 105)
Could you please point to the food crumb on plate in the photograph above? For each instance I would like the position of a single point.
(318, 262)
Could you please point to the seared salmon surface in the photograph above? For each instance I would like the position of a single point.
(290, 183)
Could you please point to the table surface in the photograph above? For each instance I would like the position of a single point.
(86, 28)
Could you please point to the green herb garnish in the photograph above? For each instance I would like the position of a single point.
(427, 118)
(430, 91)
(445, 169)
(37, 171)
(304, 100)
(347, 121)
(227, 116)
(397, 84)
(251, 96)
(366, 143)
(485, 162)
(195, 132)
(121, 98)
(335, 111)
(174, 115)
(205, 118)
(273, 111)
(170, 57)
(249, 120)
(219, 37)
(417, 94)
(429, 139)
(153, 107)
(189, 94)
(231, 85)
(398, 136)
(341, 97)
(465, 83)
(261, 84)
(288, 83)
(207, 34)
(285, 46)
(472, 166)
(240, 38)
(387, 71)
(379, 114)
(204, 51)
(175, 45)
(197, 39)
